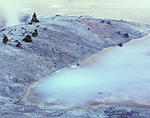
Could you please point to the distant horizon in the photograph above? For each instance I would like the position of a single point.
(131, 10)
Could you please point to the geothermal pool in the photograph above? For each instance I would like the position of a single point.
(115, 76)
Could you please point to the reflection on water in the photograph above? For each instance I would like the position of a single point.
(119, 76)
(132, 10)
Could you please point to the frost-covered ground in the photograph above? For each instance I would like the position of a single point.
(63, 41)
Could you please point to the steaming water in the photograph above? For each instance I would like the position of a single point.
(120, 76)
(132, 10)
(9, 11)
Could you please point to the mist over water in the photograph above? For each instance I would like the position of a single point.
(120, 75)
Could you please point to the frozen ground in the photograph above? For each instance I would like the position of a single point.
(62, 42)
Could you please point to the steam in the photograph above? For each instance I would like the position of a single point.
(10, 9)
(120, 75)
